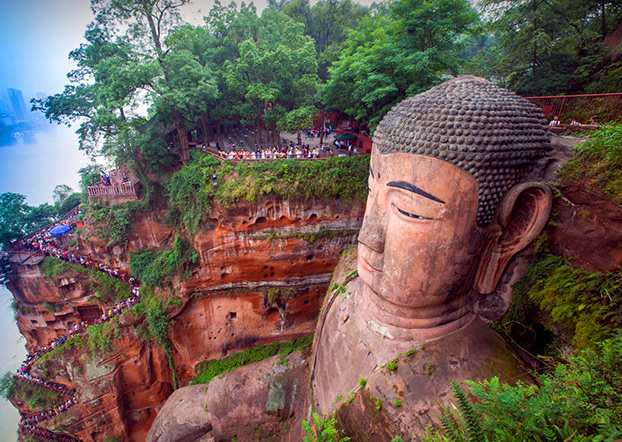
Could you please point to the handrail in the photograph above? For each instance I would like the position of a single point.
(112, 190)
(72, 213)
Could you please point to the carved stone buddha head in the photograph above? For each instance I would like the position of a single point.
(453, 195)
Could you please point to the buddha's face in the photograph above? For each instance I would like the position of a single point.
(419, 244)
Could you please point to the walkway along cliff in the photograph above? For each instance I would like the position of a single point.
(258, 274)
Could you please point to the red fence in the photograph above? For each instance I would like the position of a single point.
(604, 108)
(122, 190)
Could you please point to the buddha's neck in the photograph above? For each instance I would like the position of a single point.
(425, 323)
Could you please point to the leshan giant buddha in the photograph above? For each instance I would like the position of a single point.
(453, 195)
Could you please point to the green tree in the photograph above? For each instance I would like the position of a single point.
(126, 64)
(18, 218)
(396, 54)
(328, 23)
(550, 47)
(276, 73)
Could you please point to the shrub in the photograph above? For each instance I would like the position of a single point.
(580, 400)
(114, 222)
(153, 266)
(53, 267)
(190, 191)
(158, 323)
(100, 336)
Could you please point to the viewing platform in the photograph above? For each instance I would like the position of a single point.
(119, 186)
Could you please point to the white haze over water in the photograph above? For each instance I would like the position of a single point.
(36, 169)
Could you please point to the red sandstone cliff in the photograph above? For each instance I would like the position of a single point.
(245, 251)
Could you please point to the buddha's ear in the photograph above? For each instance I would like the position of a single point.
(523, 213)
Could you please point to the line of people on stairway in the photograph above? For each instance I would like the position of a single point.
(44, 243)
(44, 434)
(25, 376)
(50, 413)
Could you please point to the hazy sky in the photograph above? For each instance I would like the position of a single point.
(35, 38)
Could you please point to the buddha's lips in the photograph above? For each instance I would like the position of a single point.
(367, 266)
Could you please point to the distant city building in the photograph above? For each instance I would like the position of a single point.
(6, 113)
(17, 103)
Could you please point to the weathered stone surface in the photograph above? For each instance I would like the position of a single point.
(248, 397)
(588, 228)
(184, 416)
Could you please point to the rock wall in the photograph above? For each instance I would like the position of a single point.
(263, 272)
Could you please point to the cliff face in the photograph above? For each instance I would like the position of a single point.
(262, 273)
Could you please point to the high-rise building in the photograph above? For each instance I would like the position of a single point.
(17, 103)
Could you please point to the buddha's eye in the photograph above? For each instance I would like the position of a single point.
(410, 215)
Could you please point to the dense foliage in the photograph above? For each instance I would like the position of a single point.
(207, 370)
(192, 189)
(551, 47)
(114, 223)
(156, 326)
(337, 177)
(153, 266)
(580, 400)
(18, 218)
(396, 54)
(598, 161)
(266, 70)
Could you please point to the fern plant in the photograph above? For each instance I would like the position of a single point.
(323, 430)
(467, 427)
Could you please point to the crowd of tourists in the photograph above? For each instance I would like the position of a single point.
(45, 243)
(23, 374)
(49, 414)
(274, 152)
(44, 434)
(313, 132)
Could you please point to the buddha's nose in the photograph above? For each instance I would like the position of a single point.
(372, 232)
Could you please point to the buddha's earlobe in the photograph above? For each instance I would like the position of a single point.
(523, 213)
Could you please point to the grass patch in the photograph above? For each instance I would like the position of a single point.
(192, 191)
(599, 159)
(586, 304)
(207, 370)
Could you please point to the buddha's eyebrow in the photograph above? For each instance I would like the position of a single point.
(414, 189)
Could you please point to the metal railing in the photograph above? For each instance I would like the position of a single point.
(121, 190)
(603, 108)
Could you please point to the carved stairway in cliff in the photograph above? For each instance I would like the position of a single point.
(29, 424)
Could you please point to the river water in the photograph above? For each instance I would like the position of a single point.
(32, 169)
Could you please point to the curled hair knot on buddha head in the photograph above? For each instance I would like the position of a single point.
(491, 133)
